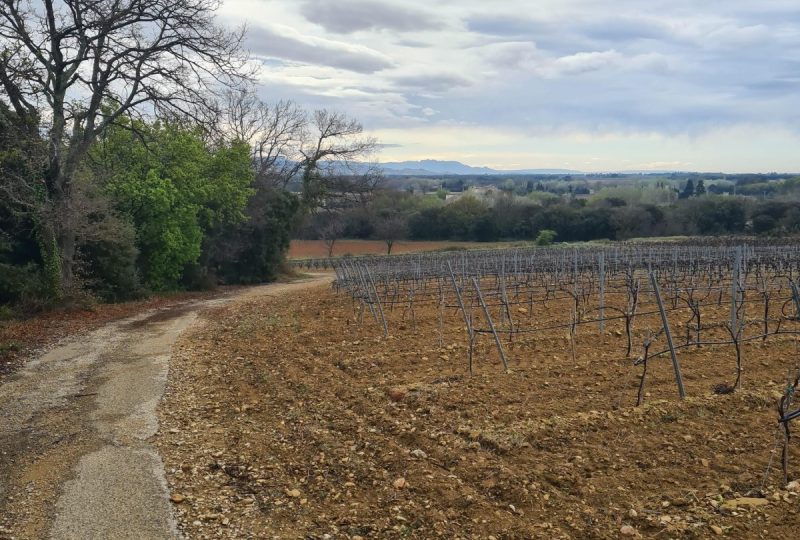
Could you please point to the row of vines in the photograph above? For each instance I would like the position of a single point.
(661, 299)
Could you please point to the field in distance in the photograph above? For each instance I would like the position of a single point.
(309, 249)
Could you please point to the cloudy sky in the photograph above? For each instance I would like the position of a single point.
(581, 84)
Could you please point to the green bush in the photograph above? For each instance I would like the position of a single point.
(174, 190)
(19, 283)
(110, 270)
(545, 237)
(253, 251)
(6, 313)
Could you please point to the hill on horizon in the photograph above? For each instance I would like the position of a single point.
(435, 167)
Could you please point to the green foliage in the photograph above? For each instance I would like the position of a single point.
(630, 196)
(22, 161)
(639, 221)
(545, 237)
(700, 190)
(544, 198)
(253, 251)
(712, 216)
(21, 248)
(20, 284)
(6, 314)
(688, 190)
(21, 281)
(459, 220)
(764, 224)
(110, 270)
(155, 208)
(173, 189)
(393, 202)
(51, 262)
(511, 217)
(226, 186)
(461, 216)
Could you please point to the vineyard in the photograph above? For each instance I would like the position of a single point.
(721, 297)
(600, 392)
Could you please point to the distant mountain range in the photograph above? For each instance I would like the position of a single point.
(434, 167)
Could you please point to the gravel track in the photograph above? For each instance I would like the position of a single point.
(76, 423)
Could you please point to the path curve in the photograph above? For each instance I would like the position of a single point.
(75, 425)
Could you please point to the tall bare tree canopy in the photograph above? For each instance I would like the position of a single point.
(75, 67)
(273, 131)
(325, 151)
(289, 143)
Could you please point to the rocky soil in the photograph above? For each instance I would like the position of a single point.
(286, 417)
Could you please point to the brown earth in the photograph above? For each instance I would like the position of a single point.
(307, 249)
(19, 338)
(76, 421)
(287, 418)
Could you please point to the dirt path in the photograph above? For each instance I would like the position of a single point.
(75, 424)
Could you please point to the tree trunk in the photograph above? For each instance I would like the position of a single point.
(66, 251)
(51, 261)
(58, 242)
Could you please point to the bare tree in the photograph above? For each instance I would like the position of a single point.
(326, 152)
(274, 133)
(330, 230)
(332, 153)
(21, 161)
(347, 191)
(390, 228)
(78, 66)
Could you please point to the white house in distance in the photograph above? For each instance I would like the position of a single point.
(479, 192)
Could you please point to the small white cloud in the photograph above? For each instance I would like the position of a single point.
(583, 62)
(513, 54)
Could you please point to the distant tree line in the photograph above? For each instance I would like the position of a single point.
(507, 217)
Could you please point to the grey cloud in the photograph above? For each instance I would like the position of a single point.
(769, 15)
(789, 85)
(571, 36)
(559, 36)
(552, 106)
(624, 29)
(505, 25)
(347, 16)
(265, 42)
(412, 43)
(677, 67)
(431, 83)
(510, 54)
(372, 114)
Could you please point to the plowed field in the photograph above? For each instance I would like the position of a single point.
(286, 417)
(304, 249)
